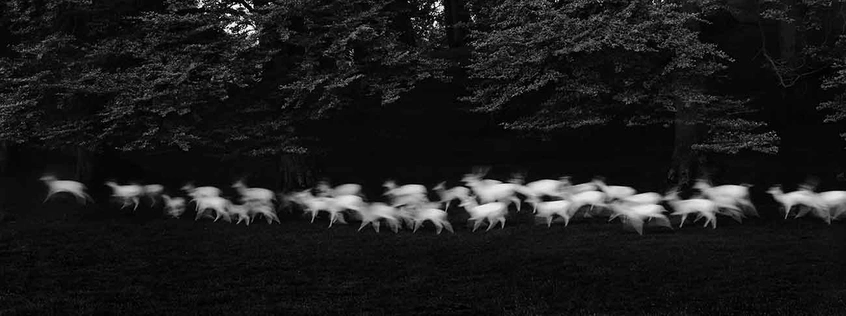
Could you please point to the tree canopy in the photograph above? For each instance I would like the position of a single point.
(566, 65)
(262, 77)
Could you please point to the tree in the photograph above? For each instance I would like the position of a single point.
(145, 80)
(229, 78)
(139, 81)
(546, 66)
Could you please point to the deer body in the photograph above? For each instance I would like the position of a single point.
(341, 203)
(636, 214)
(592, 198)
(494, 212)
(436, 216)
(614, 192)
(312, 204)
(218, 204)
(127, 193)
(489, 192)
(375, 212)
(347, 189)
(265, 210)
(68, 186)
(549, 209)
(702, 207)
(174, 207)
(737, 194)
(546, 187)
(200, 192)
(153, 191)
(241, 211)
(409, 194)
(835, 202)
(800, 197)
(447, 196)
(254, 195)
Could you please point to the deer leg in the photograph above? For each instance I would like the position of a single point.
(448, 226)
(477, 224)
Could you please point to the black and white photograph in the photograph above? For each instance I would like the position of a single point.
(422, 157)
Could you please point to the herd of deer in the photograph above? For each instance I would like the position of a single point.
(485, 200)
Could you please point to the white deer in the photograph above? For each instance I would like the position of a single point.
(67, 186)
(241, 211)
(373, 214)
(494, 212)
(200, 192)
(577, 188)
(254, 195)
(613, 192)
(430, 212)
(314, 205)
(489, 191)
(406, 194)
(638, 199)
(342, 203)
(635, 215)
(727, 205)
(447, 196)
(127, 193)
(206, 191)
(738, 194)
(548, 209)
(546, 187)
(347, 189)
(408, 198)
(800, 197)
(592, 198)
(702, 207)
(265, 210)
(153, 191)
(174, 207)
(218, 204)
(835, 202)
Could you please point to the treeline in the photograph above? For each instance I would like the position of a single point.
(367, 80)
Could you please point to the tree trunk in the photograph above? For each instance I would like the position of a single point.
(790, 136)
(402, 21)
(787, 34)
(295, 171)
(83, 164)
(456, 18)
(4, 158)
(455, 13)
(683, 162)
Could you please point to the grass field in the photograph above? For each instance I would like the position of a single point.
(121, 264)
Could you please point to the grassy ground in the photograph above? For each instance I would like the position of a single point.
(150, 266)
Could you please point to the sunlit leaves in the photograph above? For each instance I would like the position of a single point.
(835, 108)
(578, 63)
(352, 53)
(732, 142)
(136, 82)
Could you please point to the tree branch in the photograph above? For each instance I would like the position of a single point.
(781, 80)
(246, 4)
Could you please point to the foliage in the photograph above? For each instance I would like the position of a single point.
(548, 65)
(815, 52)
(190, 74)
(140, 80)
(260, 77)
(350, 54)
(836, 107)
